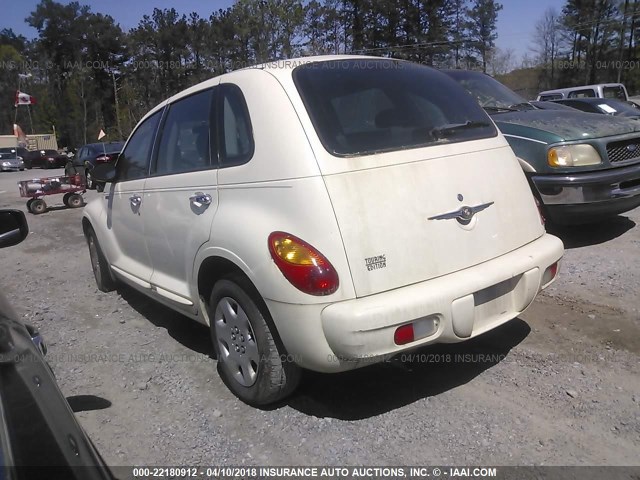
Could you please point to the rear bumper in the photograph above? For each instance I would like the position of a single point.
(588, 196)
(354, 333)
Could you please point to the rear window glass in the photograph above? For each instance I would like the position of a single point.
(367, 106)
(585, 93)
(551, 96)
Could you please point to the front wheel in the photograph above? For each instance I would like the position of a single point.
(250, 362)
(38, 206)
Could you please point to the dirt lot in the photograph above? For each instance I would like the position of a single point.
(558, 386)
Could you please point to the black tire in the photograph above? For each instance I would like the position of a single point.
(99, 264)
(89, 178)
(75, 200)
(38, 206)
(22, 169)
(275, 375)
(65, 199)
(29, 202)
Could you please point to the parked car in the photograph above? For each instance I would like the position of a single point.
(10, 161)
(47, 159)
(91, 155)
(333, 215)
(39, 434)
(600, 90)
(581, 167)
(606, 106)
(26, 156)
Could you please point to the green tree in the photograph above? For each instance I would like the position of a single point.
(483, 16)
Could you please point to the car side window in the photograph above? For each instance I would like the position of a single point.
(236, 133)
(584, 93)
(185, 143)
(133, 162)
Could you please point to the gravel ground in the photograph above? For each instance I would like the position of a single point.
(557, 386)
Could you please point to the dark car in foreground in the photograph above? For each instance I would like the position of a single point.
(39, 434)
(91, 155)
(582, 167)
(47, 159)
(606, 106)
(10, 160)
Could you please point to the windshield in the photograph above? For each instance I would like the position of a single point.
(614, 92)
(622, 108)
(367, 106)
(8, 150)
(489, 93)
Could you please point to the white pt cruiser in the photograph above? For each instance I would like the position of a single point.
(321, 213)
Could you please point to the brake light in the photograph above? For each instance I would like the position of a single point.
(304, 266)
(102, 158)
(404, 334)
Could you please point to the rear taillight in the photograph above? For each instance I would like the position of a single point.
(102, 159)
(304, 266)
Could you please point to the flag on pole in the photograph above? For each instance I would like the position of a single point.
(24, 99)
(101, 134)
(22, 138)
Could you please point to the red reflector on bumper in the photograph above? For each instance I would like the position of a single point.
(404, 334)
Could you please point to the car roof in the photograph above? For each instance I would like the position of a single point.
(580, 87)
(278, 68)
(592, 100)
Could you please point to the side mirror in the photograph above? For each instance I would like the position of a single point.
(13, 227)
(103, 173)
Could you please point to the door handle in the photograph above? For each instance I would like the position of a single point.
(135, 200)
(198, 199)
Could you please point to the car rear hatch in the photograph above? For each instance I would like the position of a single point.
(406, 223)
(421, 183)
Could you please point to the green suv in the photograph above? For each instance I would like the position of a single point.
(582, 167)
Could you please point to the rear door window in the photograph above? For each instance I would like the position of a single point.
(360, 107)
(236, 133)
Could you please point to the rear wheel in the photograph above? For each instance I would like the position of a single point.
(250, 362)
(75, 200)
(37, 206)
(99, 264)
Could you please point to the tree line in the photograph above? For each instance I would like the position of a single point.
(587, 42)
(88, 74)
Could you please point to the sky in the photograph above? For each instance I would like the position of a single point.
(516, 20)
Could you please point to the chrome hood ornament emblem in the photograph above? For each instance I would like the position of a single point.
(463, 215)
